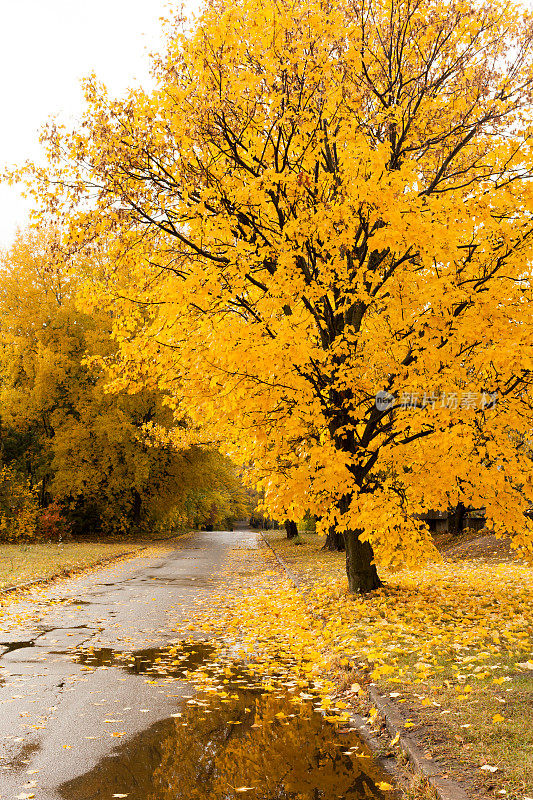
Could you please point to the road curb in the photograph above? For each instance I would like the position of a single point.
(280, 561)
(445, 788)
(66, 573)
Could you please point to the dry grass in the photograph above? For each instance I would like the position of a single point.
(22, 563)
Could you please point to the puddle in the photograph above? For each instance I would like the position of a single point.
(248, 744)
(11, 646)
(21, 760)
(174, 661)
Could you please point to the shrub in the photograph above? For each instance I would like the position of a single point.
(52, 524)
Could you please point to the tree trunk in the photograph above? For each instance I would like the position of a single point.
(136, 506)
(334, 541)
(456, 519)
(292, 528)
(44, 497)
(360, 569)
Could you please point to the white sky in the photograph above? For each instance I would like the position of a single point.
(46, 46)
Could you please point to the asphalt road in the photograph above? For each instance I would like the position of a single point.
(57, 716)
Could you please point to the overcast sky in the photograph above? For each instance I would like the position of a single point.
(46, 46)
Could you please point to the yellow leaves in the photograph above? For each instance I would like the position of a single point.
(383, 669)
(424, 621)
(233, 319)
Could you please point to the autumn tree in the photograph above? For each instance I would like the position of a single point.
(318, 202)
(67, 439)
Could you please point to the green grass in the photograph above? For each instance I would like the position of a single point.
(22, 563)
(507, 745)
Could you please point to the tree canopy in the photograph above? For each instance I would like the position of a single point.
(319, 202)
(65, 440)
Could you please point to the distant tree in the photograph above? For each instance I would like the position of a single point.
(76, 446)
(291, 528)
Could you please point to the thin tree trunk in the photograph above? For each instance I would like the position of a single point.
(292, 528)
(334, 541)
(136, 506)
(360, 569)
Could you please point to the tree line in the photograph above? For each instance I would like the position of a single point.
(76, 459)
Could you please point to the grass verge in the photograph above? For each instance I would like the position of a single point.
(23, 563)
(451, 643)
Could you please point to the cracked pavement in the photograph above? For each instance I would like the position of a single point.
(59, 718)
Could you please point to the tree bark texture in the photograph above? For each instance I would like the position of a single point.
(292, 528)
(360, 569)
(334, 541)
(456, 519)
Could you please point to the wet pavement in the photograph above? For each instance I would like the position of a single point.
(95, 703)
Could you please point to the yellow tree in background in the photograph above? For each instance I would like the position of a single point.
(320, 202)
(68, 440)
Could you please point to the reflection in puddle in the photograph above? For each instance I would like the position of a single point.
(21, 760)
(175, 661)
(243, 743)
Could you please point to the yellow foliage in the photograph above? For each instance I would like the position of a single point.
(318, 202)
(76, 443)
(18, 507)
